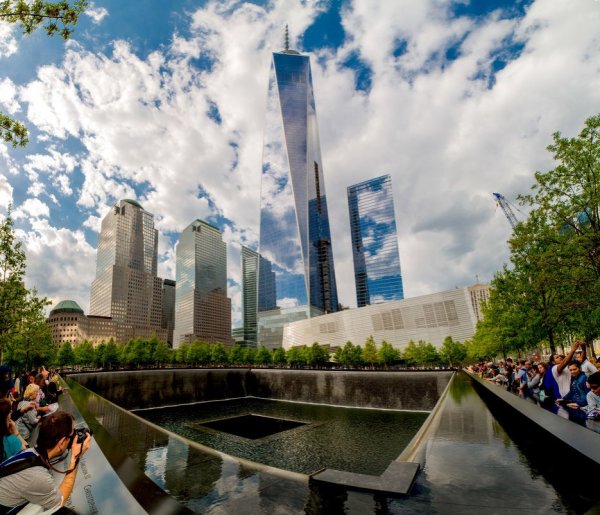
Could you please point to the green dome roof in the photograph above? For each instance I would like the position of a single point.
(67, 306)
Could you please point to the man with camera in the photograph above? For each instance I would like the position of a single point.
(26, 478)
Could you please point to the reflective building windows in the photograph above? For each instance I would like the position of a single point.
(202, 308)
(296, 266)
(374, 242)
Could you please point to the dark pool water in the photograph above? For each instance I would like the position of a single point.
(356, 440)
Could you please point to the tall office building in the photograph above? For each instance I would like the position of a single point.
(126, 287)
(168, 309)
(249, 294)
(374, 242)
(202, 308)
(294, 222)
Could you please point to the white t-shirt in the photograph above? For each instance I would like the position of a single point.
(563, 380)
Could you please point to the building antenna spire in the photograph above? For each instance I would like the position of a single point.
(286, 41)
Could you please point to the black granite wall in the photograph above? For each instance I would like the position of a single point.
(152, 388)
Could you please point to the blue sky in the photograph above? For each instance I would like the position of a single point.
(164, 102)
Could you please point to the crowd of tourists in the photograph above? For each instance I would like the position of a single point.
(567, 385)
(34, 436)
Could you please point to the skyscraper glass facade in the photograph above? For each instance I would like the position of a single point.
(126, 287)
(202, 308)
(374, 242)
(249, 294)
(296, 267)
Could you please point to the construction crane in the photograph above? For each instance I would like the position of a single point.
(506, 207)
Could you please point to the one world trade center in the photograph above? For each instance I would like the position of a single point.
(296, 276)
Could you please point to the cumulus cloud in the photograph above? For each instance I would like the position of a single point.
(60, 263)
(8, 42)
(8, 96)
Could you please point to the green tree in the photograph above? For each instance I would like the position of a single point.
(317, 355)
(162, 354)
(66, 356)
(249, 355)
(296, 356)
(56, 18)
(279, 357)
(452, 352)
(218, 354)
(236, 355)
(263, 356)
(567, 198)
(21, 311)
(369, 352)
(199, 353)
(182, 353)
(111, 354)
(84, 353)
(387, 355)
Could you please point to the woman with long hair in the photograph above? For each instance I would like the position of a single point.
(11, 442)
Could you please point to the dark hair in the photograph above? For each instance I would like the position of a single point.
(576, 363)
(5, 411)
(53, 427)
(594, 379)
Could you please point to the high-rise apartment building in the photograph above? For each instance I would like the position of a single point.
(374, 242)
(126, 287)
(294, 223)
(202, 308)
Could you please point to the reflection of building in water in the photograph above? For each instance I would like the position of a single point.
(430, 318)
(374, 242)
(480, 294)
(202, 308)
(295, 240)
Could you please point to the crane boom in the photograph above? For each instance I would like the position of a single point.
(505, 205)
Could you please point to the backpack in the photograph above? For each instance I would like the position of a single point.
(22, 460)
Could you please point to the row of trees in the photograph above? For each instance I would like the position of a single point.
(151, 353)
(550, 291)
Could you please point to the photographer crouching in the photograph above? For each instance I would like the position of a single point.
(26, 478)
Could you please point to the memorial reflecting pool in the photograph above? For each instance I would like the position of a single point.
(356, 440)
(472, 460)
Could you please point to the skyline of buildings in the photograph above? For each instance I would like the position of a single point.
(377, 273)
(294, 232)
(292, 276)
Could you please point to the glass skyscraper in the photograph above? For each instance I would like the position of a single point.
(374, 242)
(202, 308)
(126, 287)
(295, 239)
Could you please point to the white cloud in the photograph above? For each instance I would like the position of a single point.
(8, 96)
(6, 194)
(32, 208)
(60, 263)
(8, 43)
(97, 14)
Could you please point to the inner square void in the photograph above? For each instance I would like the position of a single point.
(252, 426)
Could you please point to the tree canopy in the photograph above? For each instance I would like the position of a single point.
(551, 289)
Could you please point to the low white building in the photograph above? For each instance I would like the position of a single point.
(430, 318)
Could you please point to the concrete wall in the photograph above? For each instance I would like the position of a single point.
(153, 388)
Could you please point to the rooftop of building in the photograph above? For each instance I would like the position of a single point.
(132, 202)
(67, 306)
